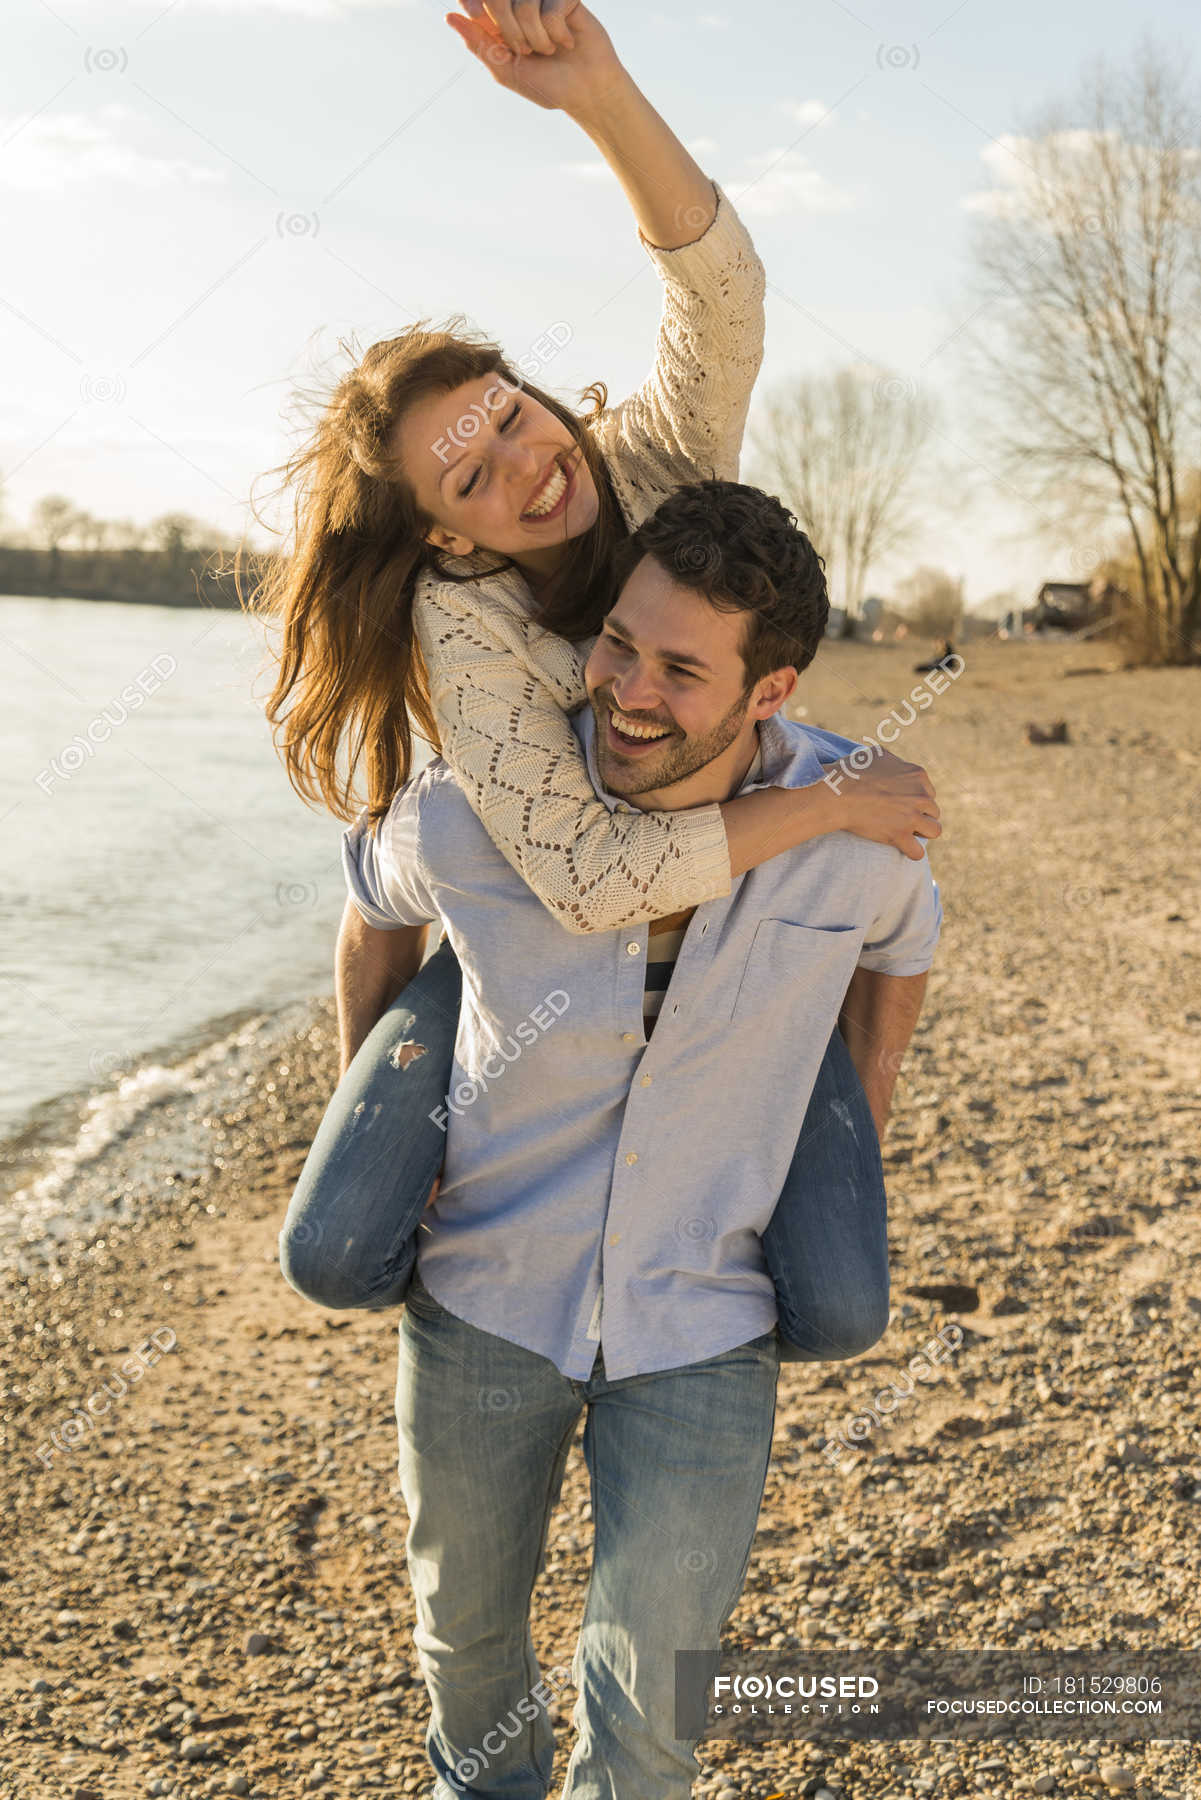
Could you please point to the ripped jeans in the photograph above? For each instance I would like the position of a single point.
(349, 1239)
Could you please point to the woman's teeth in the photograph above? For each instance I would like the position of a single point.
(630, 728)
(548, 495)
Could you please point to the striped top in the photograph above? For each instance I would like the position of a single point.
(665, 936)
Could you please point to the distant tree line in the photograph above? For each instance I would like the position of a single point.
(67, 553)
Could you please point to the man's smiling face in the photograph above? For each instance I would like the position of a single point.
(667, 684)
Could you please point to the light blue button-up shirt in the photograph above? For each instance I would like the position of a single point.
(600, 1188)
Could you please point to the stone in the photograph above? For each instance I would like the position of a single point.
(236, 1784)
(1043, 1784)
(194, 1749)
(955, 1296)
(256, 1643)
(1117, 1776)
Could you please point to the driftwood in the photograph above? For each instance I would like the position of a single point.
(944, 656)
(1056, 733)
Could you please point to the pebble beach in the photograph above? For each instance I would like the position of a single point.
(204, 1589)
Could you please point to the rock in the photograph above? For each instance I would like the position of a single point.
(963, 1425)
(236, 1784)
(1117, 1776)
(257, 1643)
(1043, 1784)
(194, 1749)
(317, 1776)
(955, 1296)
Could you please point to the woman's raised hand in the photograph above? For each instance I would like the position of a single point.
(890, 801)
(553, 52)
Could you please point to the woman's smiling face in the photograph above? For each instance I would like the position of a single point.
(496, 470)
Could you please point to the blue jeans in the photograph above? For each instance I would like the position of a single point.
(485, 1427)
(350, 1235)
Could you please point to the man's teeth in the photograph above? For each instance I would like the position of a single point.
(630, 728)
(549, 495)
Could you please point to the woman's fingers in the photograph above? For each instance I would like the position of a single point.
(510, 27)
(527, 26)
(483, 43)
(555, 15)
(527, 15)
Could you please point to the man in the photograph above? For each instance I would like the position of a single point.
(629, 1106)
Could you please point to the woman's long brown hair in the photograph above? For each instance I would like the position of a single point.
(351, 685)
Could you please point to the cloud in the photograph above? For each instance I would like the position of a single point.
(1064, 158)
(809, 112)
(784, 181)
(57, 148)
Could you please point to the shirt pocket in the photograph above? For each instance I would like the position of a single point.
(800, 970)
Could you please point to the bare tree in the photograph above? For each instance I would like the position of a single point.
(91, 532)
(844, 452)
(932, 602)
(1090, 336)
(54, 518)
(126, 534)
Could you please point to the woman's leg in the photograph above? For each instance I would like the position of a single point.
(827, 1242)
(350, 1235)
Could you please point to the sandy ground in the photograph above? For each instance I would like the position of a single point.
(1043, 1491)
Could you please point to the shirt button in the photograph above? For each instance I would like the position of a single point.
(632, 1158)
(629, 1037)
(646, 1080)
(632, 949)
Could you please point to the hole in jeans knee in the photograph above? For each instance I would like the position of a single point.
(406, 1054)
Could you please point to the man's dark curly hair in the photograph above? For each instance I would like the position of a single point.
(744, 552)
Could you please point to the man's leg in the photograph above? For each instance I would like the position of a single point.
(678, 1461)
(485, 1428)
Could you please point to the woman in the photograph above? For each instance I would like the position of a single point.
(454, 533)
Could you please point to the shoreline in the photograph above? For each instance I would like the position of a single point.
(117, 1152)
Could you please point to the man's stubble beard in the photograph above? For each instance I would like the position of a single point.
(684, 759)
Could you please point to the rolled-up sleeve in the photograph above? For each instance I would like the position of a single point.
(902, 938)
(385, 870)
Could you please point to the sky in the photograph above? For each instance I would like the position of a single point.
(203, 199)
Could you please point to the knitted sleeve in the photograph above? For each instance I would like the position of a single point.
(686, 422)
(501, 689)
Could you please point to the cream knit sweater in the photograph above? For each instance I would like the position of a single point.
(502, 688)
